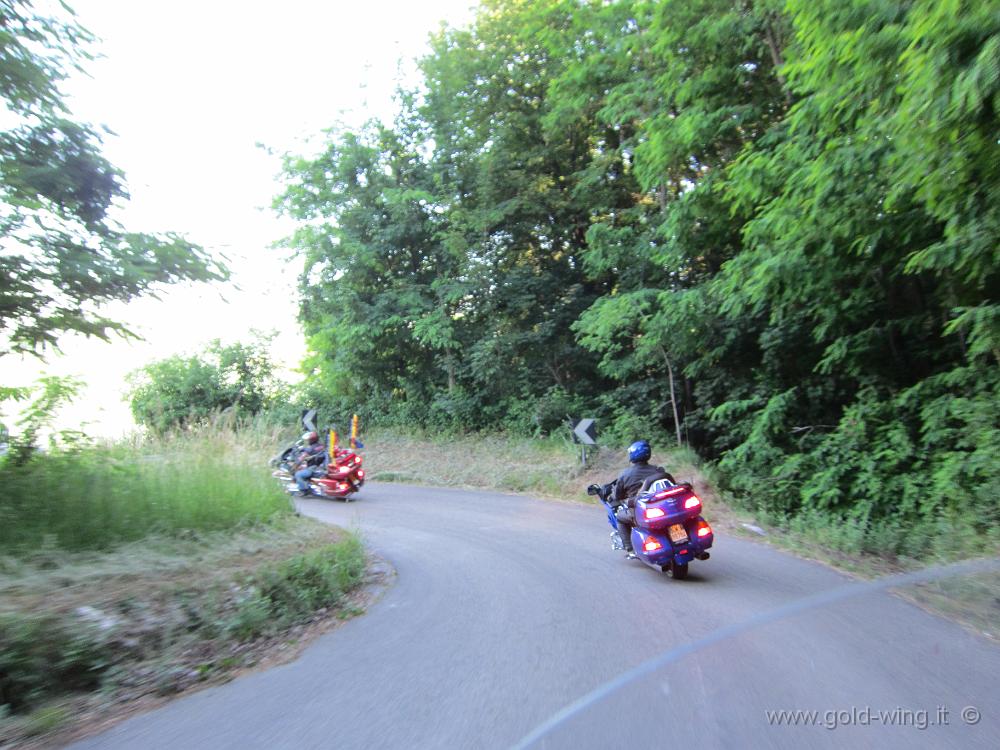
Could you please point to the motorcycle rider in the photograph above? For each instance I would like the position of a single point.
(311, 461)
(628, 485)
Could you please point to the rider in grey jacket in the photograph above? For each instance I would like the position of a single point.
(630, 482)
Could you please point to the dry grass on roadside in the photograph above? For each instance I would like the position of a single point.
(973, 600)
(544, 468)
(485, 462)
(547, 468)
(59, 581)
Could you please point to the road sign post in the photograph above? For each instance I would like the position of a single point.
(309, 420)
(585, 433)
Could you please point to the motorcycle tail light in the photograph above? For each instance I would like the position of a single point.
(655, 513)
(361, 473)
(651, 545)
(692, 502)
(670, 493)
(704, 529)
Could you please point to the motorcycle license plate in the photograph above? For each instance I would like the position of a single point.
(677, 534)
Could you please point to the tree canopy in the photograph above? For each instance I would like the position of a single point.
(62, 253)
(768, 229)
(179, 391)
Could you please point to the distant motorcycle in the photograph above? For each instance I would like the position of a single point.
(668, 531)
(344, 475)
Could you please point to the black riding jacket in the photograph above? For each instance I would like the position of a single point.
(632, 479)
(314, 456)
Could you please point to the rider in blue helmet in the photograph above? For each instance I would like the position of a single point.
(628, 485)
(639, 451)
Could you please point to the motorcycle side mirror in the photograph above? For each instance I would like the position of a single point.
(593, 489)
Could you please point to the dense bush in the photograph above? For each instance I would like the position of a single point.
(182, 391)
(41, 656)
(914, 473)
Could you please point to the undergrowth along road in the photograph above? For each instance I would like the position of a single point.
(88, 636)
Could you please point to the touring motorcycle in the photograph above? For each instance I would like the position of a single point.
(668, 531)
(344, 475)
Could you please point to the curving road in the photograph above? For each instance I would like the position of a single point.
(508, 608)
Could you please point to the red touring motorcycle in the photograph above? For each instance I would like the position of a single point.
(344, 475)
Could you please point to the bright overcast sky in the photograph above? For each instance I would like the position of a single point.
(189, 88)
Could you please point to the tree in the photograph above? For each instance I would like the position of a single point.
(680, 87)
(768, 225)
(62, 254)
(516, 204)
(45, 399)
(180, 391)
(869, 264)
(378, 282)
(443, 253)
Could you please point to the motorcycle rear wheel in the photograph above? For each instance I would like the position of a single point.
(678, 572)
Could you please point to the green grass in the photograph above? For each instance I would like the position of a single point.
(102, 496)
(42, 655)
(147, 566)
(46, 720)
(283, 593)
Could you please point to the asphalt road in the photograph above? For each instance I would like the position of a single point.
(506, 609)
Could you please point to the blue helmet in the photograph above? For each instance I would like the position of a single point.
(639, 451)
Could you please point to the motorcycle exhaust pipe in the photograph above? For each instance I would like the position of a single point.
(703, 556)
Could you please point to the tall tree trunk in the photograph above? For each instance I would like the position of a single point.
(777, 59)
(673, 398)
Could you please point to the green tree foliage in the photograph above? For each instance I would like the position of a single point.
(768, 228)
(62, 254)
(865, 278)
(180, 391)
(376, 282)
(44, 399)
(443, 254)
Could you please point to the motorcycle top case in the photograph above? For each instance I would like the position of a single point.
(665, 504)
